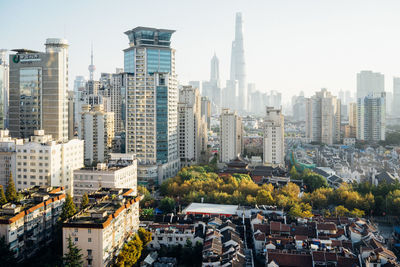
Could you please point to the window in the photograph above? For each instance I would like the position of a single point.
(89, 240)
(76, 230)
(89, 231)
(76, 239)
(89, 252)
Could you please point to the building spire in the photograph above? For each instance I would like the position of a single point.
(92, 67)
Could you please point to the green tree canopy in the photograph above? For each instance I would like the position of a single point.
(73, 257)
(3, 199)
(314, 181)
(11, 193)
(68, 209)
(167, 205)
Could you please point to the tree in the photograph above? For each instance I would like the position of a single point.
(314, 181)
(145, 236)
(293, 173)
(264, 197)
(85, 201)
(3, 199)
(130, 252)
(73, 258)
(341, 211)
(11, 193)
(167, 205)
(68, 210)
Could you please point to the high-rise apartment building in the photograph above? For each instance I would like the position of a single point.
(369, 82)
(299, 108)
(396, 97)
(323, 118)
(38, 91)
(231, 135)
(191, 125)
(45, 162)
(371, 117)
(102, 230)
(352, 131)
(97, 129)
(4, 71)
(152, 103)
(120, 171)
(238, 65)
(7, 156)
(274, 137)
(206, 111)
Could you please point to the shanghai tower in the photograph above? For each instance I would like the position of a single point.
(238, 65)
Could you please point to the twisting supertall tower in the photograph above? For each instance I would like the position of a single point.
(238, 65)
(91, 67)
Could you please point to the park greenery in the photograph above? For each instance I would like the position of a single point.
(196, 183)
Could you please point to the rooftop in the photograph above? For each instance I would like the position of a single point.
(106, 204)
(206, 208)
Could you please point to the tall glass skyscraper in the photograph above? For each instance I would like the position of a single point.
(152, 101)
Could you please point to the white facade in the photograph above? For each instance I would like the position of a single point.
(274, 137)
(191, 125)
(97, 129)
(371, 117)
(119, 172)
(323, 118)
(231, 135)
(7, 156)
(4, 83)
(44, 162)
(396, 97)
(103, 229)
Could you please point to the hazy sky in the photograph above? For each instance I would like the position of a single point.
(289, 45)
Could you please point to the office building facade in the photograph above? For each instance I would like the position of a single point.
(371, 117)
(4, 71)
(38, 91)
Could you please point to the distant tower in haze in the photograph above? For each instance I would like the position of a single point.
(215, 69)
(238, 65)
(91, 67)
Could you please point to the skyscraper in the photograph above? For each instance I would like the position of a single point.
(38, 91)
(231, 135)
(369, 82)
(152, 102)
(238, 65)
(323, 118)
(274, 137)
(91, 67)
(371, 117)
(4, 68)
(212, 88)
(396, 97)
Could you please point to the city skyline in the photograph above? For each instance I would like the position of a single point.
(336, 41)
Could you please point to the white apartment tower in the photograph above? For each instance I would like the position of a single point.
(97, 129)
(231, 135)
(371, 117)
(152, 103)
(45, 162)
(7, 156)
(274, 137)
(191, 125)
(323, 118)
(396, 97)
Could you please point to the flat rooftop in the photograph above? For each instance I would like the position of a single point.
(207, 208)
